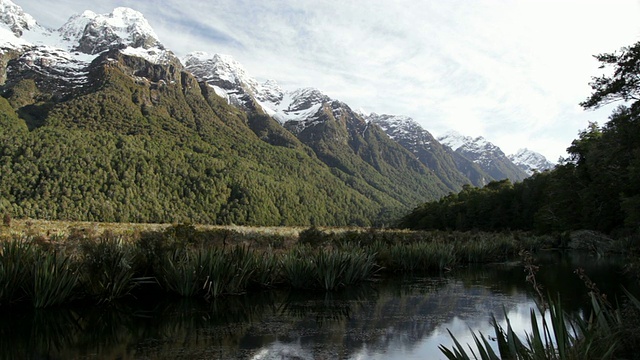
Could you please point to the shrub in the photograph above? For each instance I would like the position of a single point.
(108, 271)
(16, 255)
(52, 280)
(6, 219)
(312, 236)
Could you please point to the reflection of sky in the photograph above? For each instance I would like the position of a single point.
(411, 326)
(400, 345)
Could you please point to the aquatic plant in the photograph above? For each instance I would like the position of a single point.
(298, 269)
(326, 269)
(557, 338)
(181, 272)
(267, 268)
(16, 255)
(421, 256)
(107, 265)
(53, 279)
(227, 272)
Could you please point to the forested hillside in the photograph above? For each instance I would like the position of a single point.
(150, 149)
(597, 187)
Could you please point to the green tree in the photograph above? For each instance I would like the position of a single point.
(623, 84)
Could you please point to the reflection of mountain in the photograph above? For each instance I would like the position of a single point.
(394, 318)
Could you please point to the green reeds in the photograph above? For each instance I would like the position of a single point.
(267, 269)
(182, 272)
(53, 279)
(108, 271)
(559, 338)
(227, 271)
(327, 269)
(209, 272)
(421, 256)
(298, 268)
(16, 255)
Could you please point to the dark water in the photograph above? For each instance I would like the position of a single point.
(393, 318)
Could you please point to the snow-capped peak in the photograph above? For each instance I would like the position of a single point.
(230, 80)
(530, 161)
(402, 129)
(364, 113)
(93, 33)
(15, 19)
(19, 29)
(454, 139)
(306, 97)
(221, 70)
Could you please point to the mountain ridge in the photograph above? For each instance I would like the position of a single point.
(299, 157)
(484, 153)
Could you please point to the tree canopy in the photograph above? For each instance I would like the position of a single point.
(597, 187)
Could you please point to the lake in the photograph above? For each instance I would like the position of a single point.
(393, 317)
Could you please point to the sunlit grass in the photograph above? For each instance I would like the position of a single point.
(111, 260)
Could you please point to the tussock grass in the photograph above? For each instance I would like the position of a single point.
(15, 257)
(104, 263)
(52, 279)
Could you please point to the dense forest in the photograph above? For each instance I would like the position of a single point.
(597, 187)
(164, 148)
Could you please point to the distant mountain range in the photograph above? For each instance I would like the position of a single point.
(107, 124)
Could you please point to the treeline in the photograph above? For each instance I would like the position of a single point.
(128, 149)
(597, 187)
(134, 153)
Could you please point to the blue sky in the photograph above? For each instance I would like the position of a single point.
(511, 71)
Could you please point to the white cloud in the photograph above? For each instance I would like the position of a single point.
(512, 71)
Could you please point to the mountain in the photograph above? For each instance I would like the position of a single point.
(530, 161)
(100, 121)
(452, 169)
(360, 154)
(488, 156)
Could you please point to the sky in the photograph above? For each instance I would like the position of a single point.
(512, 71)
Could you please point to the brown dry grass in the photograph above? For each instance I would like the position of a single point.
(47, 228)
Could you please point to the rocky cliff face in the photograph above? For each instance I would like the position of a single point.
(488, 156)
(450, 167)
(530, 161)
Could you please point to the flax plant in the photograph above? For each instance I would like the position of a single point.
(182, 272)
(16, 255)
(53, 279)
(108, 273)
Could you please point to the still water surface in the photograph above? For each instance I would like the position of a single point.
(393, 318)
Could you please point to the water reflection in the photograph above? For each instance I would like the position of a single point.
(394, 318)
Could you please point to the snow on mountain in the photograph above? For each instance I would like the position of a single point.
(455, 140)
(67, 52)
(17, 28)
(530, 161)
(482, 152)
(15, 19)
(400, 127)
(92, 34)
(230, 80)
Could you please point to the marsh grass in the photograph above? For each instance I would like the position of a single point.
(107, 267)
(267, 269)
(327, 269)
(52, 279)
(16, 255)
(182, 272)
(553, 337)
(421, 256)
(108, 262)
